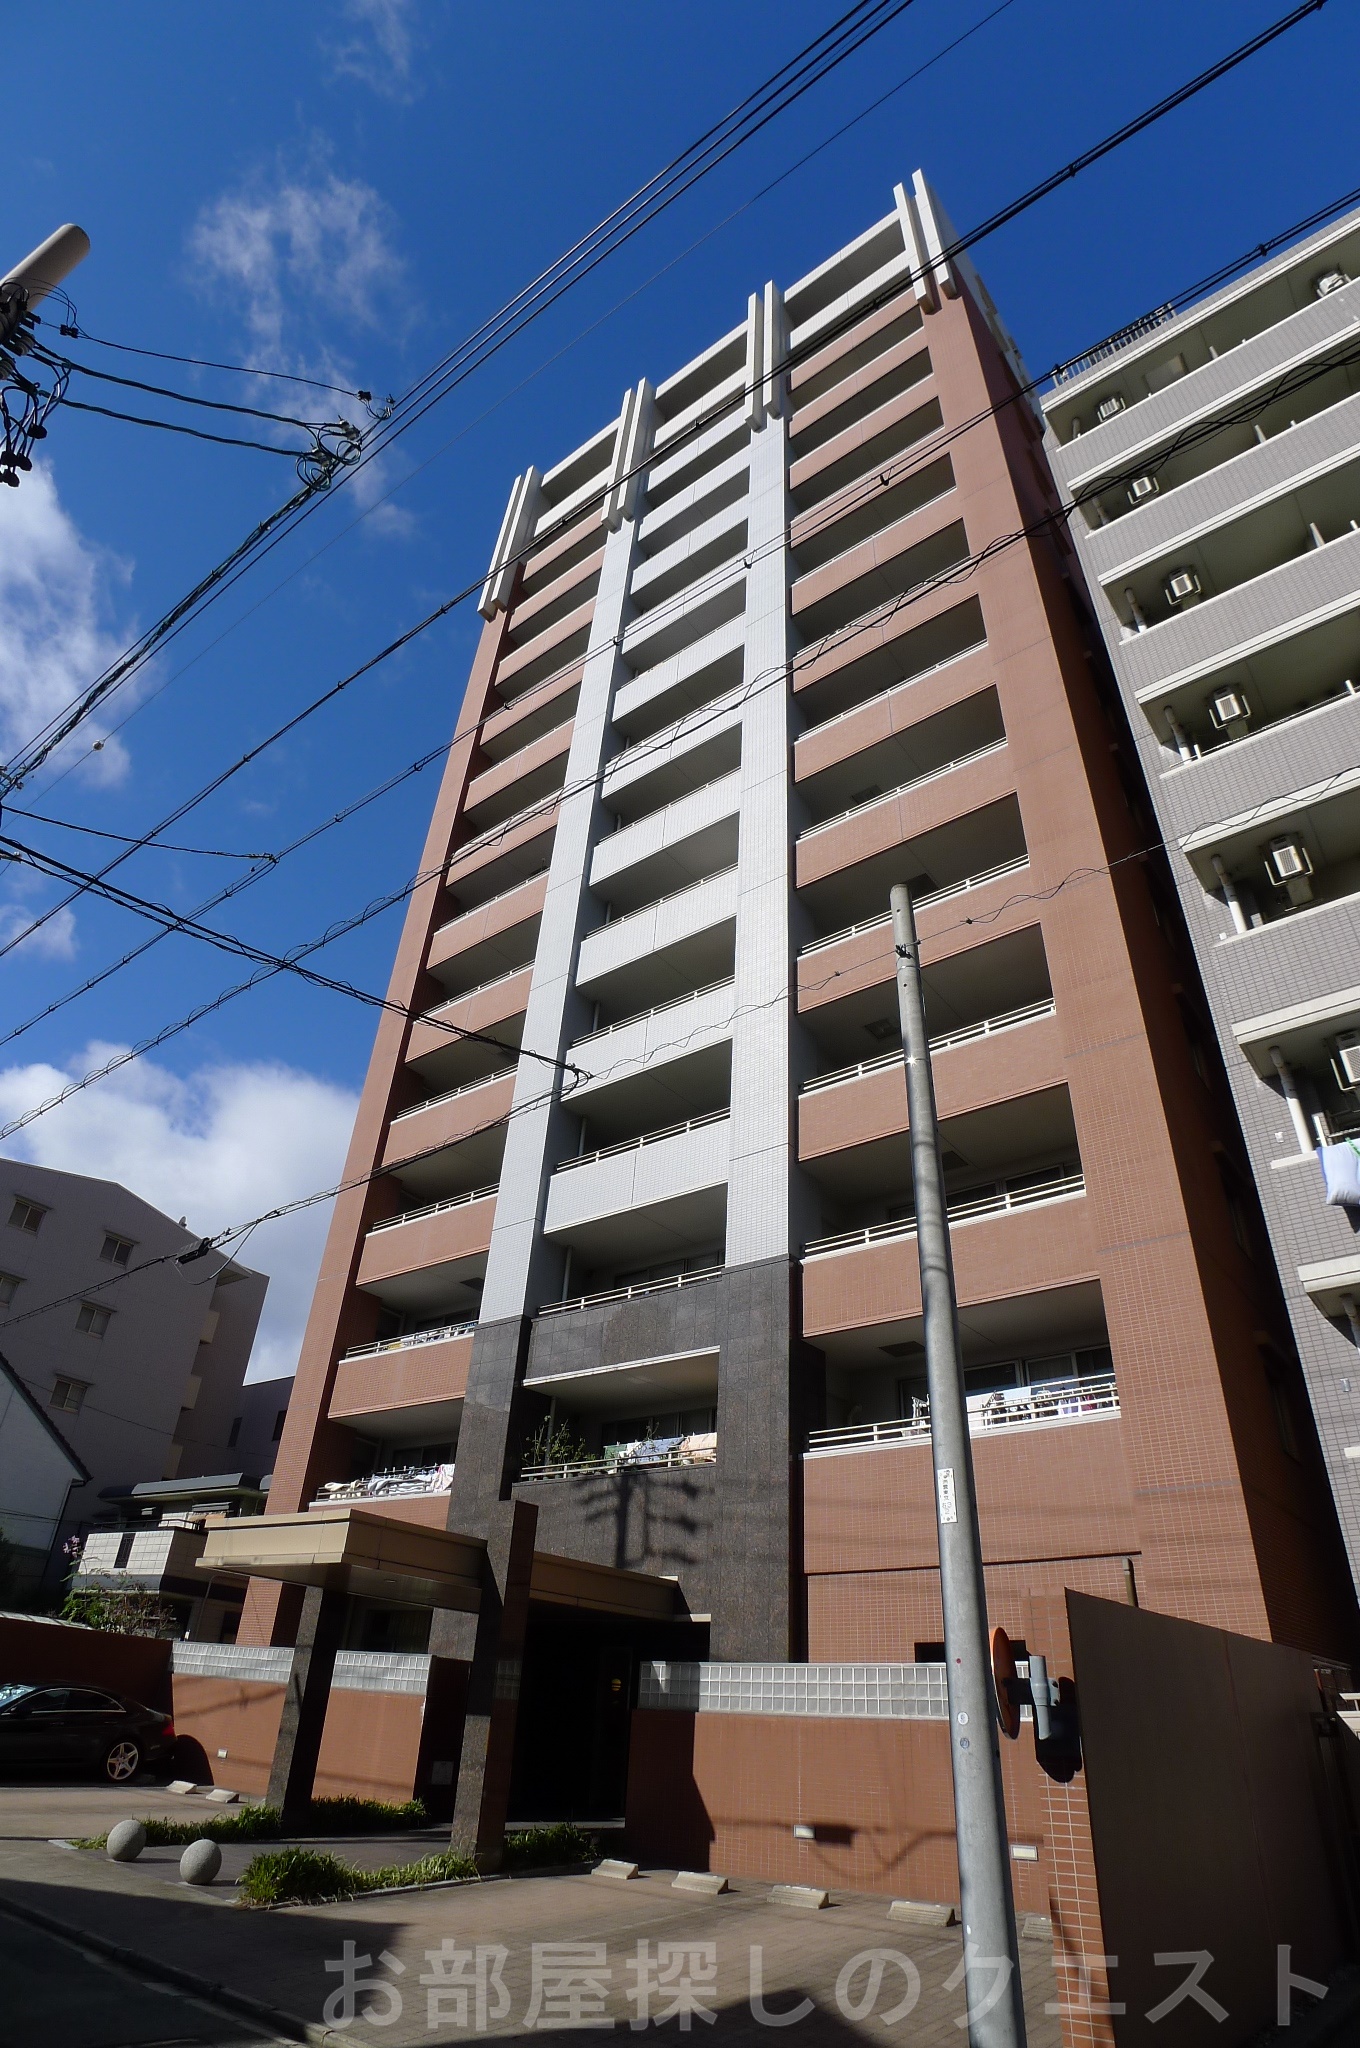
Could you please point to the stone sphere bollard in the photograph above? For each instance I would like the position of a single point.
(200, 1862)
(125, 1842)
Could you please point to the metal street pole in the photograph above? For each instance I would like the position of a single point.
(990, 1947)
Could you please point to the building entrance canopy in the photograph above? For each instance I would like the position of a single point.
(350, 1550)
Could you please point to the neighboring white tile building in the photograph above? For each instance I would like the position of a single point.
(142, 1378)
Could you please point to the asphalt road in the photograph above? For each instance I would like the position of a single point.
(63, 1996)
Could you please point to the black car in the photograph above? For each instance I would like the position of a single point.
(80, 1727)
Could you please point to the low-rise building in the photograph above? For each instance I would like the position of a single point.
(135, 1356)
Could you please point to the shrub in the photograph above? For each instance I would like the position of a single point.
(265, 1823)
(312, 1877)
(537, 1848)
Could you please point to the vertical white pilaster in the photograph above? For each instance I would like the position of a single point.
(759, 1220)
(518, 1271)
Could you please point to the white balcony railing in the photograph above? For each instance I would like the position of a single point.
(1135, 331)
(659, 1009)
(696, 1123)
(1076, 1400)
(654, 1454)
(887, 796)
(386, 1485)
(986, 1027)
(431, 1209)
(410, 1341)
(450, 1094)
(466, 995)
(871, 924)
(629, 1293)
(1060, 1187)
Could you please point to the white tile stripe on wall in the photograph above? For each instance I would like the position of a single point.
(355, 1670)
(863, 1692)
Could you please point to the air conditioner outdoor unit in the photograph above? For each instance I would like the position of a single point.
(1109, 405)
(1346, 1062)
(1182, 586)
(1329, 281)
(1228, 708)
(1289, 864)
(1143, 487)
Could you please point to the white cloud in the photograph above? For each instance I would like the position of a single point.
(55, 636)
(218, 1147)
(307, 259)
(293, 244)
(380, 51)
(55, 940)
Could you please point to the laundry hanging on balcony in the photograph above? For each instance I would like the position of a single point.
(1341, 1172)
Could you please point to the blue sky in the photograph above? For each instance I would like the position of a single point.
(342, 190)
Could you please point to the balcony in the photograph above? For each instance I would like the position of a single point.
(682, 941)
(647, 1056)
(673, 517)
(878, 572)
(1027, 1192)
(865, 448)
(416, 1482)
(1224, 359)
(633, 1290)
(965, 1034)
(680, 844)
(506, 789)
(966, 986)
(552, 704)
(908, 760)
(1236, 542)
(926, 899)
(432, 1259)
(497, 861)
(697, 555)
(698, 674)
(653, 1454)
(1058, 1403)
(496, 938)
(856, 515)
(697, 615)
(671, 765)
(474, 1034)
(846, 873)
(1274, 683)
(856, 391)
(658, 1196)
(401, 1384)
(1286, 857)
(421, 1139)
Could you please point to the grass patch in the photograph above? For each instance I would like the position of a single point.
(265, 1823)
(536, 1848)
(314, 1877)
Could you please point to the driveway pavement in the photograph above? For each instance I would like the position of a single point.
(505, 1959)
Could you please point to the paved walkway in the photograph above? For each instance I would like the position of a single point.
(508, 1959)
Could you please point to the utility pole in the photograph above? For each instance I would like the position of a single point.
(979, 1811)
(40, 272)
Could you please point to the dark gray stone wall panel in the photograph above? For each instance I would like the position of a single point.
(639, 1521)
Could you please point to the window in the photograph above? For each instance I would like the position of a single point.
(93, 1319)
(27, 1216)
(234, 1433)
(116, 1251)
(279, 1421)
(10, 1284)
(68, 1396)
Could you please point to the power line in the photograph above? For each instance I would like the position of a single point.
(831, 48)
(266, 864)
(44, 743)
(227, 942)
(1167, 104)
(77, 333)
(592, 327)
(134, 419)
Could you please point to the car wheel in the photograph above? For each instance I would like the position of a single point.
(123, 1761)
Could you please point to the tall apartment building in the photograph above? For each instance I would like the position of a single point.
(1216, 455)
(638, 1246)
(141, 1379)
